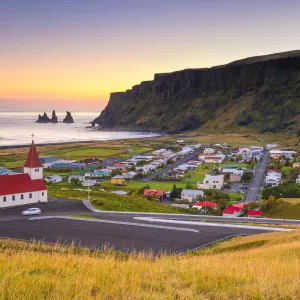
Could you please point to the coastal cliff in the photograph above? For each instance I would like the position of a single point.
(259, 94)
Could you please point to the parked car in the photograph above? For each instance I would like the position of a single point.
(31, 211)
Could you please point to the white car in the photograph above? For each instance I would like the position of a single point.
(31, 211)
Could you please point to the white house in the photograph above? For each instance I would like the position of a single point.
(27, 188)
(273, 178)
(191, 195)
(286, 153)
(211, 182)
(298, 179)
(53, 179)
(79, 177)
(89, 182)
(209, 151)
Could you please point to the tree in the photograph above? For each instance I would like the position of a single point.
(188, 186)
(247, 176)
(226, 176)
(175, 192)
(142, 189)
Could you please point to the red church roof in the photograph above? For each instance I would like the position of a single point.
(33, 160)
(20, 183)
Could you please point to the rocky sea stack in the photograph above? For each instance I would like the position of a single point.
(45, 119)
(68, 119)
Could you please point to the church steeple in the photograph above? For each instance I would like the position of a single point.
(33, 165)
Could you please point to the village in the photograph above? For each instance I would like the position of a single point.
(215, 179)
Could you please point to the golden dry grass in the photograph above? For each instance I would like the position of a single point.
(256, 267)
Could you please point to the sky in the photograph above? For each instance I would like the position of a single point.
(71, 54)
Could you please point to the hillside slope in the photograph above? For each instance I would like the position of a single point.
(265, 266)
(246, 95)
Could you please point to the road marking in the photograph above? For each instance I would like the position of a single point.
(211, 224)
(117, 222)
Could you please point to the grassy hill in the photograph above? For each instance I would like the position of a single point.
(265, 266)
(259, 94)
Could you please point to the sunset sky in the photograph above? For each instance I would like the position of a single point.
(70, 54)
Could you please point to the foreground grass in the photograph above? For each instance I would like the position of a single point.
(266, 266)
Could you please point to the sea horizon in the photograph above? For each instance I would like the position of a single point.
(16, 129)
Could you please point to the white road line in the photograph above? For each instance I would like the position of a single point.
(211, 224)
(117, 222)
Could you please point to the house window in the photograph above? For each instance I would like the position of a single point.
(30, 196)
(36, 170)
(13, 198)
(42, 193)
(214, 186)
(22, 197)
(4, 199)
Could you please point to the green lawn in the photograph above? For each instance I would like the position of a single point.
(12, 161)
(235, 197)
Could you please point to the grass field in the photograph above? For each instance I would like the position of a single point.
(290, 211)
(265, 266)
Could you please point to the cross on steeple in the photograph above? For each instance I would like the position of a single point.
(32, 135)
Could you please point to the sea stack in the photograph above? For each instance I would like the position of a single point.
(54, 117)
(68, 119)
(43, 119)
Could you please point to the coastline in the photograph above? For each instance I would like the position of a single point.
(75, 142)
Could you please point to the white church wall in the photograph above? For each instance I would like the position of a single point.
(34, 173)
(17, 199)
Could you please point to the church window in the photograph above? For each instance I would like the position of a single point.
(30, 195)
(13, 198)
(4, 199)
(22, 197)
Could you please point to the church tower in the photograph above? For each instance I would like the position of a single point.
(33, 166)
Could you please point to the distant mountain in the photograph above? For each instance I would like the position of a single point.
(253, 94)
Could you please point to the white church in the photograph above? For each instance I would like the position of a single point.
(27, 188)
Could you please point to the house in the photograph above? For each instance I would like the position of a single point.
(235, 177)
(257, 148)
(298, 179)
(120, 166)
(209, 151)
(27, 188)
(99, 173)
(271, 146)
(215, 159)
(48, 159)
(203, 204)
(89, 182)
(191, 195)
(255, 213)
(159, 151)
(149, 193)
(118, 180)
(276, 153)
(77, 177)
(211, 182)
(53, 179)
(232, 211)
(273, 177)
(129, 175)
(296, 165)
(232, 169)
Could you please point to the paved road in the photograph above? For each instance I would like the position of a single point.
(178, 162)
(258, 180)
(120, 230)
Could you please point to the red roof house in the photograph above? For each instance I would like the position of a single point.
(150, 192)
(239, 205)
(232, 211)
(206, 203)
(255, 213)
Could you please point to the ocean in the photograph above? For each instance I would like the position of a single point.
(16, 128)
